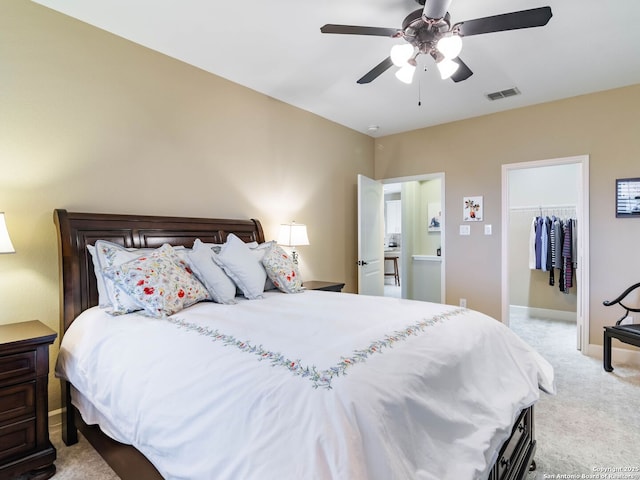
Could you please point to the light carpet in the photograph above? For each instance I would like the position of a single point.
(79, 461)
(589, 429)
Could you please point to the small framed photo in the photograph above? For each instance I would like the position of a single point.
(472, 209)
(434, 211)
(628, 197)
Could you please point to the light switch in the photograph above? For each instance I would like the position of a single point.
(465, 230)
(487, 229)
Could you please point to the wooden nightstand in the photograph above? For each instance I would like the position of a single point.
(327, 286)
(24, 423)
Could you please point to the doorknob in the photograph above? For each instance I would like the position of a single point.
(361, 263)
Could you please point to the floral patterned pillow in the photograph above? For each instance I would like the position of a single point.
(160, 282)
(282, 271)
(108, 254)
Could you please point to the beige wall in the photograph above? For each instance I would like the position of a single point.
(471, 152)
(91, 122)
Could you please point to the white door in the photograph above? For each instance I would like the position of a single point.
(370, 237)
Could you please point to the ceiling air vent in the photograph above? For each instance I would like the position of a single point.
(509, 92)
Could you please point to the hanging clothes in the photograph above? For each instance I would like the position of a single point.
(553, 246)
(567, 256)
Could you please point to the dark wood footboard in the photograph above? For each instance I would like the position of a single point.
(516, 455)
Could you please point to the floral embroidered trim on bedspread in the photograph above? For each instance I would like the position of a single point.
(319, 378)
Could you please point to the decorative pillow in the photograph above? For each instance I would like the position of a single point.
(197, 243)
(158, 282)
(109, 255)
(259, 250)
(218, 284)
(243, 266)
(282, 271)
(103, 297)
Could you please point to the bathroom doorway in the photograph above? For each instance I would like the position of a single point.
(414, 237)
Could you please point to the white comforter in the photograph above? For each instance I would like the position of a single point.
(315, 385)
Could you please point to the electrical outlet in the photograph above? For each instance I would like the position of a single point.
(463, 302)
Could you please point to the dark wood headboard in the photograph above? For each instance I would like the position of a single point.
(78, 288)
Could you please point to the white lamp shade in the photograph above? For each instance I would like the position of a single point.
(401, 53)
(450, 46)
(447, 67)
(293, 234)
(5, 242)
(405, 74)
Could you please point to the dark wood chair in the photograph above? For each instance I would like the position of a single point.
(629, 333)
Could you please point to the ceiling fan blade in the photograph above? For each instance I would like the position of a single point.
(536, 17)
(462, 73)
(436, 8)
(376, 71)
(357, 30)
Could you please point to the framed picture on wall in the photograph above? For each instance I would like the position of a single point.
(434, 211)
(627, 197)
(472, 209)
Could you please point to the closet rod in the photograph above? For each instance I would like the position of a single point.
(537, 208)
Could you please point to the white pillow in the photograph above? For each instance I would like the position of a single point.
(197, 243)
(218, 284)
(243, 265)
(259, 250)
(109, 255)
(103, 297)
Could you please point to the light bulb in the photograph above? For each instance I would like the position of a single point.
(450, 46)
(447, 67)
(401, 53)
(405, 74)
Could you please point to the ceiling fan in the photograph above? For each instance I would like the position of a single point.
(429, 31)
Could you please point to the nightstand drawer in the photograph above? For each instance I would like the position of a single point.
(18, 401)
(18, 367)
(17, 438)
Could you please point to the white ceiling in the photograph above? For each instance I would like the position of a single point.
(276, 48)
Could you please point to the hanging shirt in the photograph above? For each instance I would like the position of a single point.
(532, 245)
(539, 223)
(566, 257)
(544, 244)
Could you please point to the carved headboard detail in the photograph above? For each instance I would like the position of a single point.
(78, 288)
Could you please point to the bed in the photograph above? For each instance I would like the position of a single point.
(303, 385)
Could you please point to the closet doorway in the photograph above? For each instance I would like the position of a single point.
(549, 188)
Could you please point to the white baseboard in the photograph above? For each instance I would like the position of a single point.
(621, 356)
(55, 417)
(544, 313)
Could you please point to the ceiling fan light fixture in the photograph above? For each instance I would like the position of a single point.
(447, 67)
(450, 45)
(401, 53)
(405, 74)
